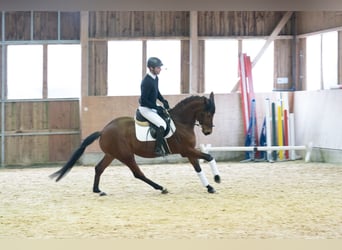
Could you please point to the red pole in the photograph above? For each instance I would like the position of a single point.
(286, 134)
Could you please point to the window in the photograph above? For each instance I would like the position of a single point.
(64, 71)
(24, 71)
(221, 65)
(330, 59)
(169, 53)
(263, 71)
(321, 61)
(124, 67)
(125, 71)
(313, 63)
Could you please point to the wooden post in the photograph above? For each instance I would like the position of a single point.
(339, 62)
(45, 71)
(185, 68)
(144, 58)
(85, 53)
(193, 53)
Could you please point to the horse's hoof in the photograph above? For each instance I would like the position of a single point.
(102, 194)
(211, 190)
(164, 191)
(217, 179)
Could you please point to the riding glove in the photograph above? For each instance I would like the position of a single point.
(166, 104)
(160, 110)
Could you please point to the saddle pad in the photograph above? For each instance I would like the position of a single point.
(143, 132)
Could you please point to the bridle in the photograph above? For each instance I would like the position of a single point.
(200, 124)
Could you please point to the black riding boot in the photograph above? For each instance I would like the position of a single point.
(159, 151)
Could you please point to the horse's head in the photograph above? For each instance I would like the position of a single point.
(205, 117)
(196, 109)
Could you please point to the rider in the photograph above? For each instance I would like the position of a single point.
(148, 101)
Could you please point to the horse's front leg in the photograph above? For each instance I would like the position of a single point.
(213, 165)
(201, 175)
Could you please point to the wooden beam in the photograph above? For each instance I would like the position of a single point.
(273, 36)
(269, 40)
(338, 29)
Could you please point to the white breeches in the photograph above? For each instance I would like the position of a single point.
(152, 116)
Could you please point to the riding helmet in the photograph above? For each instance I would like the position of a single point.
(154, 62)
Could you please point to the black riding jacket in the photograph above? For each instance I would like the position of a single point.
(150, 92)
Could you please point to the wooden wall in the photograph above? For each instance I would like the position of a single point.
(109, 25)
(283, 64)
(116, 24)
(40, 131)
(45, 25)
(104, 26)
(239, 23)
(315, 21)
(137, 24)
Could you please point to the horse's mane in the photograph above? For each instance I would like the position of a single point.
(184, 102)
(187, 100)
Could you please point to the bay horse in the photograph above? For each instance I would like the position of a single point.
(118, 141)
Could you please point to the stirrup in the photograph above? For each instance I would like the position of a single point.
(159, 152)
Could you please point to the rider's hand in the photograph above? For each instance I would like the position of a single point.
(160, 110)
(166, 104)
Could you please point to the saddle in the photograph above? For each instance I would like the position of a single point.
(142, 121)
(143, 126)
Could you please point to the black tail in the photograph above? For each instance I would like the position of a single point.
(75, 156)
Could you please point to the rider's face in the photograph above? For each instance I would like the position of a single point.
(156, 70)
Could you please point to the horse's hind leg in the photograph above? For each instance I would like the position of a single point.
(99, 168)
(131, 163)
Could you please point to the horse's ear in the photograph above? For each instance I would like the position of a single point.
(212, 103)
(211, 97)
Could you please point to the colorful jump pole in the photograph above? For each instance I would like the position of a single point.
(280, 129)
(253, 121)
(244, 93)
(274, 130)
(286, 110)
(286, 133)
(292, 136)
(268, 128)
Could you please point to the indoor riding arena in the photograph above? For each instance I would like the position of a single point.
(267, 159)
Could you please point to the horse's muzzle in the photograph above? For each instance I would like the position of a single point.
(206, 131)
